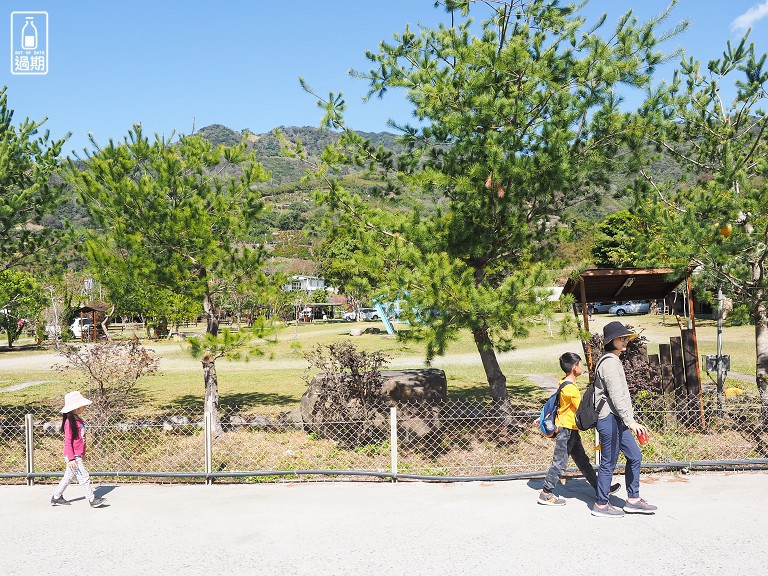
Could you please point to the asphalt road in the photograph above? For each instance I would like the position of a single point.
(708, 523)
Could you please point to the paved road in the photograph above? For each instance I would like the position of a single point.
(708, 524)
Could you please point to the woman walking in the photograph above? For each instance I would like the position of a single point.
(73, 427)
(616, 427)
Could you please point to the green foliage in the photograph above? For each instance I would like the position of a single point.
(234, 344)
(621, 236)
(22, 300)
(516, 124)
(739, 316)
(28, 161)
(171, 215)
(720, 222)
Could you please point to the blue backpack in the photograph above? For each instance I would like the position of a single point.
(549, 412)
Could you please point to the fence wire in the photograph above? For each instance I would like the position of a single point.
(452, 439)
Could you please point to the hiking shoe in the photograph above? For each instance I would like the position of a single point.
(59, 501)
(639, 507)
(549, 499)
(607, 511)
(97, 501)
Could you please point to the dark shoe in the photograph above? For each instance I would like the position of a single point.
(612, 490)
(549, 499)
(639, 507)
(59, 501)
(96, 502)
(607, 511)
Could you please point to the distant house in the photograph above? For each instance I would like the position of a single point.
(305, 284)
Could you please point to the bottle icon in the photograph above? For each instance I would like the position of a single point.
(29, 34)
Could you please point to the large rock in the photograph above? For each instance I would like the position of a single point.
(415, 385)
(417, 392)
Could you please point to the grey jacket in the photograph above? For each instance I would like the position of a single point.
(610, 377)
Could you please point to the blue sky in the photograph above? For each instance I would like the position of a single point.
(174, 65)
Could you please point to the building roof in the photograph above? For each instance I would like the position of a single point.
(624, 284)
(93, 307)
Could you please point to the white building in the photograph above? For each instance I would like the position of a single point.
(305, 284)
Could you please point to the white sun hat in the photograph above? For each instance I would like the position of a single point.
(73, 401)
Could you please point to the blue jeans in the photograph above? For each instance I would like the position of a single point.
(568, 444)
(615, 437)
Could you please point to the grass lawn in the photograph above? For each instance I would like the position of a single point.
(276, 378)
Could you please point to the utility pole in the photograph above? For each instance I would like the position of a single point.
(720, 348)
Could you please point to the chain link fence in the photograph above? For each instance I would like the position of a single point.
(451, 440)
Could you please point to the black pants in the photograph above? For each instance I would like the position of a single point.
(568, 443)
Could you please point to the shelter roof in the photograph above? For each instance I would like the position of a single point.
(93, 307)
(624, 284)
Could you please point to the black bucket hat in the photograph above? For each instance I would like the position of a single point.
(616, 329)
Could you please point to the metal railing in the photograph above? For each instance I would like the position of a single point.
(453, 440)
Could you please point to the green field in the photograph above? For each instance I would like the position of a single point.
(276, 378)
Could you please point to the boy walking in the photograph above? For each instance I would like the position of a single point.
(568, 442)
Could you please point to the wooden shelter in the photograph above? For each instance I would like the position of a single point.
(96, 312)
(678, 361)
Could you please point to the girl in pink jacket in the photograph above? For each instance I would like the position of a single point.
(73, 428)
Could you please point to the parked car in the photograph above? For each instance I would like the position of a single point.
(602, 307)
(369, 314)
(349, 316)
(81, 324)
(631, 307)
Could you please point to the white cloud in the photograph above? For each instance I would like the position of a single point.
(749, 17)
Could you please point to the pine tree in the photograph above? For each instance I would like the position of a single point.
(174, 216)
(28, 162)
(518, 119)
(717, 216)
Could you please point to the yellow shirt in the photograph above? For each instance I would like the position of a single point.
(570, 398)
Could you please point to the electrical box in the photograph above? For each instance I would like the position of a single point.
(710, 362)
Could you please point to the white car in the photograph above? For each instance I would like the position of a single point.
(349, 316)
(81, 324)
(631, 307)
(369, 314)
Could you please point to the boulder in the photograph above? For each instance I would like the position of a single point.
(417, 392)
(415, 385)
(262, 423)
(52, 427)
(291, 418)
(236, 421)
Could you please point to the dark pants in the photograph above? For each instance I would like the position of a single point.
(568, 443)
(615, 437)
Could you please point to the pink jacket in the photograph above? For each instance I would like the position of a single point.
(74, 447)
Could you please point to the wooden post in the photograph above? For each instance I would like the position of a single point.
(653, 361)
(665, 360)
(695, 350)
(678, 365)
(585, 315)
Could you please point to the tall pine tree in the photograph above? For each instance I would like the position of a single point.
(518, 119)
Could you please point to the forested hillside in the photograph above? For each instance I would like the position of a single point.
(291, 226)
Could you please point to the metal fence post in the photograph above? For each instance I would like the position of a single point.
(30, 448)
(208, 448)
(597, 447)
(393, 441)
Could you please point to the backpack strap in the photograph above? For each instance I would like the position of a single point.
(603, 389)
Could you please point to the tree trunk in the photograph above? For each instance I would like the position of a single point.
(104, 324)
(496, 379)
(212, 318)
(212, 393)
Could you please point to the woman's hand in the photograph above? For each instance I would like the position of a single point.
(637, 428)
(73, 464)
